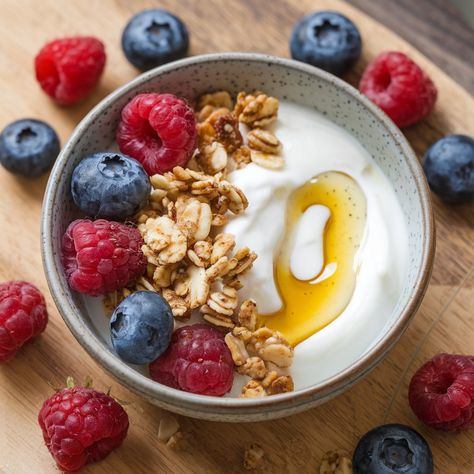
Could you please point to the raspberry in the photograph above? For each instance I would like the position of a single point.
(101, 256)
(81, 425)
(69, 68)
(23, 316)
(158, 130)
(441, 392)
(399, 87)
(197, 360)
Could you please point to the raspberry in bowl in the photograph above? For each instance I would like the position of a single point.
(213, 222)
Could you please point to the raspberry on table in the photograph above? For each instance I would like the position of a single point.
(101, 256)
(197, 360)
(81, 425)
(441, 392)
(68, 69)
(158, 130)
(399, 87)
(23, 316)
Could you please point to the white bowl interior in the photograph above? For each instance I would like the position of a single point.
(275, 77)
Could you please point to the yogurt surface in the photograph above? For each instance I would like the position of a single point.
(313, 145)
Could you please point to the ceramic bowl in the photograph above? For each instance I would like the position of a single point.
(285, 79)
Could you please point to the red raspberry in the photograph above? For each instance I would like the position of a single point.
(101, 256)
(23, 316)
(69, 68)
(158, 130)
(81, 425)
(399, 87)
(197, 360)
(441, 392)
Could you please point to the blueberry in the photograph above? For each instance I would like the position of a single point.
(392, 449)
(154, 37)
(141, 327)
(449, 168)
(28, 147)
(110, 185)
(327, 40)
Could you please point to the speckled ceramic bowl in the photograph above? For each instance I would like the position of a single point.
(285, 79)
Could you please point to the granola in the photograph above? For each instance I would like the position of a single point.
(334, 462)
(190, 261)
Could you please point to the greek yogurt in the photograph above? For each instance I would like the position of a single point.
(313, 145)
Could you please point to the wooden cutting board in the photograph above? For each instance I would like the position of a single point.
(296, 444)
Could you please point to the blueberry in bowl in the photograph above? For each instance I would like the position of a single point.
(110, 185)
(28, 147)
(154, 37)
(449, 168)
(141, 327)
(327, 40)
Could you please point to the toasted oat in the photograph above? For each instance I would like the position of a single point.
(227, 132)
(281, 384)
(264, 141)
(253, 457)
(215, 99)
(164, 238)
(199, 286)
(253, 389)
(241, 156)
(334, 462)
(217, 319)
(167, 428)
(222, 245)
(223, 302)
(213, 157)
(177, 441)
(193, 218)
(254, 367)
(179, 306)
(265, 160)
(256, 110)
(237, 349)
(248, 315)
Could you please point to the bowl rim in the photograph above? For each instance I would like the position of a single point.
(201, 405)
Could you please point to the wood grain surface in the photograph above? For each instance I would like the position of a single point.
(445, 321)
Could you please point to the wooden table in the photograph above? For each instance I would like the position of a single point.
(296, 444)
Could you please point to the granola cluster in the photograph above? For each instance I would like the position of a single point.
(195, 265)
(220, 139)
(262, 354)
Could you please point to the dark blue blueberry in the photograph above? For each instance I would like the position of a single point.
(392, 449)
(28, 147)
(110, 185)
(154, 37)
(449, 168)
(327, 40)
(141, 327)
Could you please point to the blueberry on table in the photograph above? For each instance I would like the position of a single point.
(327, 40)
(110, 185)
(154, 37)
(449, 168)
(141, 327)
(28, 147)
(392, 449)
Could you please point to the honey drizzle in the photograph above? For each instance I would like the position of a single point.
(309, 306)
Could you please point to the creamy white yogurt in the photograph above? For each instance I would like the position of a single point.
(307, 253)
(312, 145)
